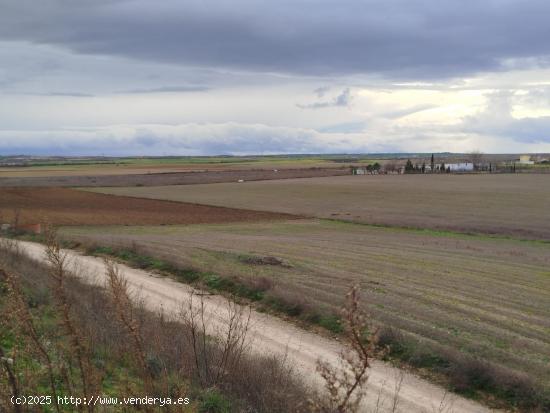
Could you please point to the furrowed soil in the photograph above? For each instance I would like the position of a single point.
(483, 296)
(515, 205)
(63, 206)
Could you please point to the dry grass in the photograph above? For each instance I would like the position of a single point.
(507, 204)
(61, 206)
(486, 297)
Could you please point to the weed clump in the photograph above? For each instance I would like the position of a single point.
(466, 374)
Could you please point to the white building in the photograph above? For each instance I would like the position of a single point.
(525, 160)
(460, 167)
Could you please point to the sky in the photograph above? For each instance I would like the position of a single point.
(186, 77)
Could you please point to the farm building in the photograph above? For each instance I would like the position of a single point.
(460, 167)
(525, 160)
(365, 170)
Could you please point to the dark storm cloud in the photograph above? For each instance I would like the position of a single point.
(396, 38)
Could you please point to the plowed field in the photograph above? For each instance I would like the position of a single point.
(61, 206)
(505, 204)
(483, 296)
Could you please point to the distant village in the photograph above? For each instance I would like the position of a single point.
(476, 163)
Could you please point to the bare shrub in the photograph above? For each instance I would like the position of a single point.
(465, 373)
(10, 251)
(262, 283)
(6, 364)
(213, 363)
(16, 219)
(346, 383)
(469, 373)
(18, 306)
(123, 307)
(476, 158)
(78, 347)
(288, 301)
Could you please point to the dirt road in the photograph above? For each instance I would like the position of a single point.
(270, 335)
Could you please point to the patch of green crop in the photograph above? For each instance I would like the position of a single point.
(102, 250)
(214, 402)
(187, 275)
(467, 235)
(331, 322)
(281, 306)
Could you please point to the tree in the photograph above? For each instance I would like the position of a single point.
(476, 158)
(376, 166)
(432, 163)
(390, 166)
(423, 167)
(409, 168)
(442, 167)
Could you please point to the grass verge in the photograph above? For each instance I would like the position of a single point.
(259, 293)
(466, 375)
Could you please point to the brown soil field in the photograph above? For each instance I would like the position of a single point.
(508, 204)
(63, 206)
(485, 296)
(162, 177)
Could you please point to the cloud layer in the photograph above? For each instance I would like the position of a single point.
(208, 77)
(420, 39)
(191, 139)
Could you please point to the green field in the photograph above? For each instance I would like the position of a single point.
(119, 166)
